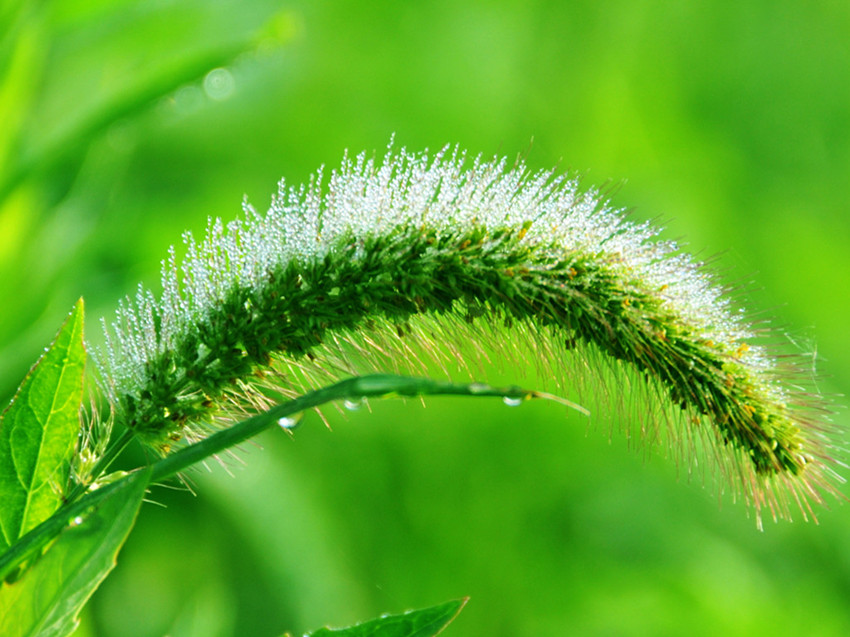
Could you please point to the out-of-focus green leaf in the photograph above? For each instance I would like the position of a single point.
(46, 600)
(21, 61)
(38, 432)
(414, 623)
(57, 141)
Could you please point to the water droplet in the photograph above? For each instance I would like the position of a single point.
(352, 404)
(478, 388)
(77, 521)
(219, 84)
(512, 402)
(288, 422)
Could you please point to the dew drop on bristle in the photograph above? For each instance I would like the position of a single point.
(512, 402)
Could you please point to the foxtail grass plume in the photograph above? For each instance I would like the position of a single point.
(413, 261)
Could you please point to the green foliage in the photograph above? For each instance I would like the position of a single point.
(82, 538)
(47, 599)
(38, 434)
(416, 623)
(729, 120)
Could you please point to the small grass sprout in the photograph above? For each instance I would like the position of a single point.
(412, 261)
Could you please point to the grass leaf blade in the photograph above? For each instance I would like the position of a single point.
(426, 622)
(38, 432)
(46, 600)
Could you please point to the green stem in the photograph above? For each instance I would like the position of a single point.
(33, 541)
(357, 387)
(352, 388)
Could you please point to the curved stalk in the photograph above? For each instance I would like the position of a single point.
(352, 388)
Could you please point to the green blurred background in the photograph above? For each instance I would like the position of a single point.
(122, 124)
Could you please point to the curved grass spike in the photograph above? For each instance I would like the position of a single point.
(411, 260)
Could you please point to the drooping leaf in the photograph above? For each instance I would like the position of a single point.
(426, 622)
(38, 432)
(47, 598)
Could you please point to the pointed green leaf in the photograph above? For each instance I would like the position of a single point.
(38, 432)
(414, 623)
(47, 598)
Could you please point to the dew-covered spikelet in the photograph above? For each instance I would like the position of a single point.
(411, 261)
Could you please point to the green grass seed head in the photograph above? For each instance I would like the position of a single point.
(397, 264)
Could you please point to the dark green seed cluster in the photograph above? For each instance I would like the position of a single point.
(476, 272)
